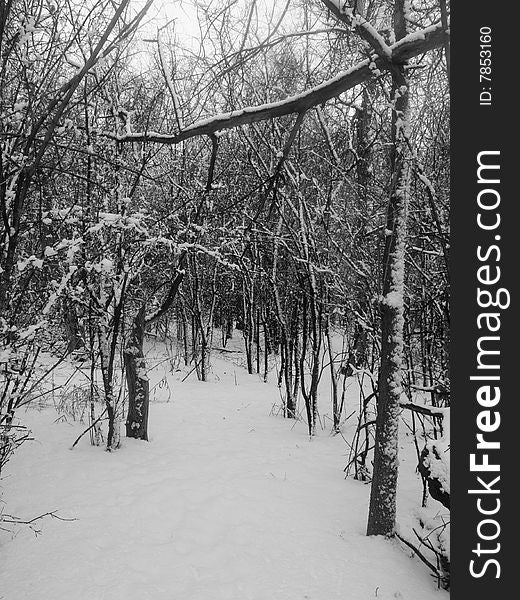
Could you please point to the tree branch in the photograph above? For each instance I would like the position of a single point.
(412, 45)
(345, 13)
(431, 411)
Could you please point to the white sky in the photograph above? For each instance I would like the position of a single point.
(184, 12)
(163, 11)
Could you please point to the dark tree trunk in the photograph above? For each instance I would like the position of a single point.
(266, 350)
(257, 340)
(137, 381)
(290, 401)
(72, 327)
(336, 409)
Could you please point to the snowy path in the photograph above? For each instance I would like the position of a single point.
(225, 503)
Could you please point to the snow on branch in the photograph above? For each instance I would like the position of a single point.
(346, 14)
(415, 44)
(431, 411)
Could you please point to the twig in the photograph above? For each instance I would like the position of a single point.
(419, 553)
(190, 372)
(17, 521)
(88, 429)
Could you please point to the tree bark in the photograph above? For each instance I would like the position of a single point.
(137, 380)
(382, 511)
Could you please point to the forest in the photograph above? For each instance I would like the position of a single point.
(224, 299)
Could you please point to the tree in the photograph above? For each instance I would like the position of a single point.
(46, 58)
(381, 519)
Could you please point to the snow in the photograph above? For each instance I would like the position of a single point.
(225, 502)
(74, 61)
(32, 260)
(49, 251)
(359, 22)
(394, 299)
(106, 265)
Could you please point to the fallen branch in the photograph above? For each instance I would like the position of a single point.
(52, 514)
(12, 520)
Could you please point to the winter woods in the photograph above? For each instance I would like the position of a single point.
(281, 180)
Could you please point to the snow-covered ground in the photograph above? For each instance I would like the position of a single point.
(226, 502)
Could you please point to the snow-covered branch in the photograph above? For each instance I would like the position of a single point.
(346, 14)
(415, 44)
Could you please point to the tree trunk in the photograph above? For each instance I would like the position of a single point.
(72, 327)
(137, 380)
(384, 482)
(382, 511)
(290, 400)
(106, 355)
(266, 349)
(336, 413)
